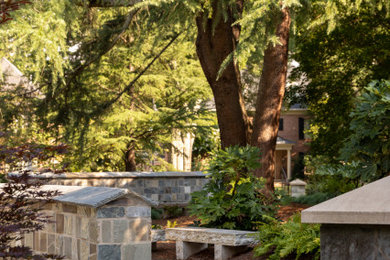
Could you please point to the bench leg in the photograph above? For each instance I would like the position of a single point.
(222, 252)
(187, 249)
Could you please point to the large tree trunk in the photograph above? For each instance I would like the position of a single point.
(269, 99)
(212, 48)
(130, 163)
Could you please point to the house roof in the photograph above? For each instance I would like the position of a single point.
(297, 106)
(11, 77)
(281, 140)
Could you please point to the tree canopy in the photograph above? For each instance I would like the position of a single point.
(84, 73)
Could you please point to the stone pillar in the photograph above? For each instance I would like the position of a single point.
(186, 249)
(355, 242)
(222, 252)
(288, 164)
(355, 225)
(298, 188)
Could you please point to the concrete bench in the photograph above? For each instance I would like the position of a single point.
(191, 240)
(157, 235)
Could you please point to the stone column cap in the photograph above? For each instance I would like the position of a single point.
(298, 182)
(369, 204)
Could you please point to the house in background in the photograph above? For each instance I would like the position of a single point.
(10, 76)
(181, 153)
(291, 145)
(292, 142)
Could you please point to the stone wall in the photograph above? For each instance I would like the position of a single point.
(166, 188)
(368, 242)
(118, 230)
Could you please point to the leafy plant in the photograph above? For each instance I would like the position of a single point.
(156, 213)
(233, 198)
(365, 155)
(21, 214)
(171, 224)
(156, 226)
(22, 201)
(288, 239)
(328, 179)
(312, 199)
(368, 147)
(173, 211)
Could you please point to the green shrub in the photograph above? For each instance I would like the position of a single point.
(312, 199)
(173, 211)
(156, 213)
(368, 146)
(233, 198)
(288, 239)
(330, 178)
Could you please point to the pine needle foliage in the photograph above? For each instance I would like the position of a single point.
(84, 58)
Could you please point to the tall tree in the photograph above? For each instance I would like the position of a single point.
(270, 96)
(218, 24)
(217, 39)
(96, 100)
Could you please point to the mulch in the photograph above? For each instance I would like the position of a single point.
(166, 249)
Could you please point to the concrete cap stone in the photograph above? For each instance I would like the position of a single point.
(92, 196)
(369, 204)
(97, 175)
(298, 182)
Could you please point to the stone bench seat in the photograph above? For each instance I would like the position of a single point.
(157, 235)
(191, 240)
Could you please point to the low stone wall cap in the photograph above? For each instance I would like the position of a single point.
(369, 204)
(91, 196)
(97, 175)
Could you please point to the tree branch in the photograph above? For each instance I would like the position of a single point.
(79, 69)
(131, 84)
(113, 3)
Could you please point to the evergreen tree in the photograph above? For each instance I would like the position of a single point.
(92, 95)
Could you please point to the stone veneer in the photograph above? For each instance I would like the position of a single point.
(166, 188)
(95, 223)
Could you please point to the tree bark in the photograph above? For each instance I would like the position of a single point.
(130, 163)
(269, 99)
(212, 48)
